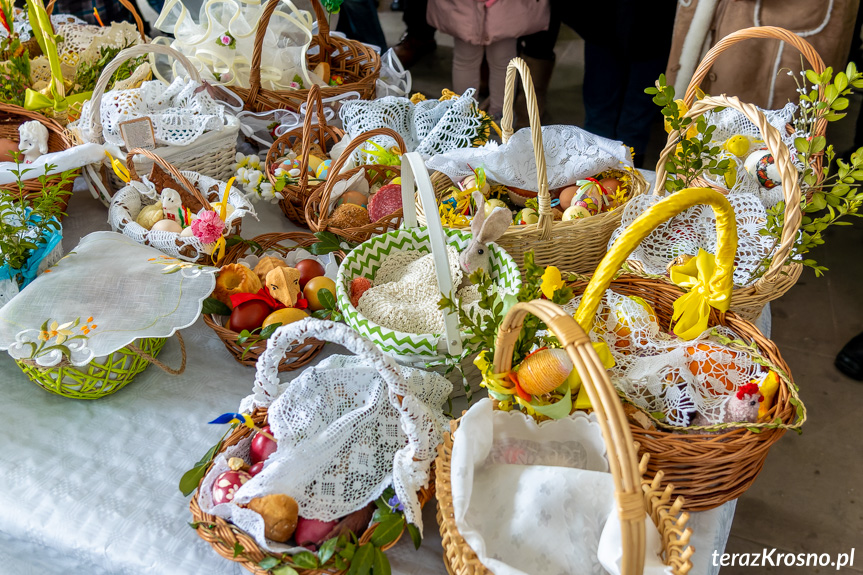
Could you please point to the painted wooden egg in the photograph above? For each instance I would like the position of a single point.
(323, 169)
(226, 485)
(761, 166)
(544, 370)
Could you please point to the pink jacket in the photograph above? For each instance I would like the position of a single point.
(474, 22)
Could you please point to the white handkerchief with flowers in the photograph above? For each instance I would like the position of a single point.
(537, 499)
(106, 293)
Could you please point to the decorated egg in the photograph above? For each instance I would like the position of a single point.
(713, 365)
(290, 164)
(323, 169)
(226, 485)
(256, 468)
(167, 226)
(249, 315)
(469, 182)
(761, 166)
(567, 195)
(575, 212)
(262, 446)
(356, 198)
(314, 162)
(543, 371)
(309, 269)
(491, 204)
(526, 216)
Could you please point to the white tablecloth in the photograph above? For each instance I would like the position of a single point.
(91, 487)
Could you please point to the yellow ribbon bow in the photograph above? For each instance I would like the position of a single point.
(692, 309)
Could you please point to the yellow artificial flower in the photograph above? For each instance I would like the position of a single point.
(551, 281)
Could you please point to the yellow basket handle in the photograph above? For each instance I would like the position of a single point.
(717, 288)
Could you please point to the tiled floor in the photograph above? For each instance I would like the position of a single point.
(809, 498)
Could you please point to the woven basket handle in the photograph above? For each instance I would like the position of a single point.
(620, 447)
(108, 72)
(781, 158)
(260, 34)
(414, 171)
(175, 173)
(637, 231)
(267, 374)
(336, 167)
(517, 65)
(313, 102)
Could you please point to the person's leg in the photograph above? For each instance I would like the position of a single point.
(604, 85)
(418, 39)
(638, 112)
(466, 61)
(358, 20)
(498, 54)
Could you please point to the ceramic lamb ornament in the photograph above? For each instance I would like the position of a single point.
(485, 230)
(172, 203)
(32, 140)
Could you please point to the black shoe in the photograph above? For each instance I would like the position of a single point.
(397, 6)
(850, 359)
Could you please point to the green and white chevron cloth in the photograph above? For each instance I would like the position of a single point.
(364, 261)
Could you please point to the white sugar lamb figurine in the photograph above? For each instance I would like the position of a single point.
(485, 230)
(171, 203)
(32, 140)
(740, 407)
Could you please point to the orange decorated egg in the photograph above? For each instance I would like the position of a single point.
(711, 363)
(356, 198)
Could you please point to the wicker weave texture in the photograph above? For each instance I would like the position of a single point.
(11, 117)
(224, 536)
(316, 212)
(297, 356)
(359, 64)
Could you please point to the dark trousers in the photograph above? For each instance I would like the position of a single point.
(414, 18)
(358, 20)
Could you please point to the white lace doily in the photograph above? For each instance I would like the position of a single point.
(696, 228)
(537, 499)
(131, 199)
(429, 127)
(663, 374)
(21, 23)
(179, 114)
(571, 154)
(343, 434)
(83, 302)
(202, 39)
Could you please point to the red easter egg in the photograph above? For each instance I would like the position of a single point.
(309, 269)
(226, 485)
(256, 468)
(249, 315)
(311, 531)
(262, 446)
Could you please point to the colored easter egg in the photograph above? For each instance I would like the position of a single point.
(323, 169)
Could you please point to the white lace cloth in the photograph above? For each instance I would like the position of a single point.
(21, 23)
(571, 154)
(132, 198)
(179, 114)
(429, 127)
(696, 228)
(343, 433)
(71, 159)
(97, 284)
(663, 374)
(538, 499)
(199, 37)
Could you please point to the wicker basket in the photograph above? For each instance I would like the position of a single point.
(294, 358)
(359, 64)
(102, 376)
(771, 32)
(324, 136)
(131, 228)
(11, 117)
(574, 245)
(707, 468)
(316, 212)
(224, 536)
(635, 495)
(782, 274)
(213, 154)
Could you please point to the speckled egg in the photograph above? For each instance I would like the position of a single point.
(226, 485)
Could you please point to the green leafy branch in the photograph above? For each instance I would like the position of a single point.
(695, 152)
(331, 307)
